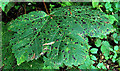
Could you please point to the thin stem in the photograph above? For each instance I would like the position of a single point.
(25, 7)
(45, 7)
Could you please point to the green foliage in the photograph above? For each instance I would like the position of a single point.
(51, 7)
(114, 57)
(29, 6)
(65, 3)
(95, 4)
(6, 6)
(7, 56)
(63, 37)
(114, 35)
(111, 6)
(105, 48)
(94, 50)
(115, 38)
(88, 64)
(112, 18)
(101, 65)
(16, 7)
(3, 4)
(98, 43)
(34, 64)
(1, 64)
(116, 48)
(108, 7)
(93, 57)
(119, 61)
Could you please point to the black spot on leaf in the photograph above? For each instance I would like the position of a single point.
(69, 51)
(84, 22)
(55, 47)
(63, 51)
(76, 42)
(64, 55)
(107, 30)
(75, 22)
(67, 36)
(65, 58)
(73, 57)
(79, 11)
(64, 17)
(33, 21)
(65, 44)
(58, 23)
(83, 32)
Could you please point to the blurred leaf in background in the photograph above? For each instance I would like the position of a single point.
(6, 6)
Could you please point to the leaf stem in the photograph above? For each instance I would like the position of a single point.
(25, 7)
(45, 7)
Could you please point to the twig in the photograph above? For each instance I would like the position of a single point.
(36, 9)
(25, 7)
(45, 7)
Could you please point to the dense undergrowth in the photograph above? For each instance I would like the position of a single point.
(68, 35)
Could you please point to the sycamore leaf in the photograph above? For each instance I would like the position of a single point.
(64, 35)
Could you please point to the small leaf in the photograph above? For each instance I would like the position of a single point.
(114, 35)
(93, 57)
(95, 4)
(106, 57)
(119, 61)
(115, 41)
(3, 5)
(113, 59)
(111, 9)
(111, 56)
(116, 48)
(93, 67)
(94, 50)
(87, 65)
(9, 6)
(111, 18)
(115, 38)
(105, 48)
(16, 7)
(118, 38)
(101, 65)
(108, 5)
(98, 42)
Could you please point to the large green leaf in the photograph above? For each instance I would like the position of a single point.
(63, 34)
(8, 58)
